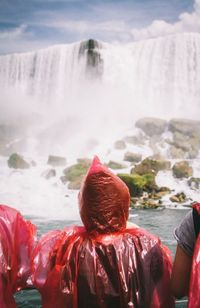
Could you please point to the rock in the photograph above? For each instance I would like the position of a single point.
(140, 203)
(150, 204)
(91, 50)
(157, 156)
(64, 179)
(56, 160)
(140, 139)
(120, 145)
(176, 153)
(195, 142)
(163, 191)
(154, 146)
(16, 161)
(181, 141)
(174, 199)
(115, 165)
(178, 198)
(152, 126)
(73, 172)
(48, 174)
(189, 145)
(192, 153)
(151, 166)
(76, 184)
(138, 184)
(184, 126)
(84, 161)
(194, 183)
(132, 157)
(182, 169)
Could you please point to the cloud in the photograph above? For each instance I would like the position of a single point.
(83, 26)
(41, 26)
(113, 28)
(187, 23)
(20, 39)
(13, 33)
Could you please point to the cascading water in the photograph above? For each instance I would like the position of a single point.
(119, 84)
(75, 100)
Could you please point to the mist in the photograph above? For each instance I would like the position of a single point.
(73, 99)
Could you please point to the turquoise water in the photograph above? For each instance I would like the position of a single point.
(159, 222)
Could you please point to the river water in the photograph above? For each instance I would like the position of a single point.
(159, 222)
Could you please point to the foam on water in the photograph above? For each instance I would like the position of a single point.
(29, 192)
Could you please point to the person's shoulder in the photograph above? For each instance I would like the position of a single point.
(185, 233)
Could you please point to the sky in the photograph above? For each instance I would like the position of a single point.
(27, 25)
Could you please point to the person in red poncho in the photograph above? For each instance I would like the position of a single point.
(17, 238)
(103, 264)
(185, 279)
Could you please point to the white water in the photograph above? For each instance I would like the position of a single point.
(156, 77)
(65, 111)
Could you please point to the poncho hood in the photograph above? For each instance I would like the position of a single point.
(103, 200)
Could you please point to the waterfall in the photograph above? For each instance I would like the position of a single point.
(161, 76)
(98, 88)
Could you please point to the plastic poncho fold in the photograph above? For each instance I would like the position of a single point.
(16, 245)
(194, 289)
(102, 264)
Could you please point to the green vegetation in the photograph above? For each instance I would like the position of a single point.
(137, 184)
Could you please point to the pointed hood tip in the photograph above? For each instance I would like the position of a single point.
(96, 160)
(95, 165)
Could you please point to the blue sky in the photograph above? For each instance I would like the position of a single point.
(31, 24)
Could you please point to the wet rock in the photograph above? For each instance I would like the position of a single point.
(132, 157)
(76, 184)
(194, 183)
(56, 160)
(181, 141)
(184, 126)
(157, 156)
(178, 198)
(163, 191)
(115, 165)
(48, 174)
(64, 179)
(16, 161)
(84, 162)
(187, 144)
(152, 126)
(151, 166)
(94, 67)
(140, 139)
(150, 204)
(75, 174)
(182, 169)
(176, 153)
(192, 153)
(120, 145)
(140, 203)
(138, 184)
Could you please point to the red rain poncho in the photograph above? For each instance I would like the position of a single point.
(194, 290)
(103, 264)
(16, 245)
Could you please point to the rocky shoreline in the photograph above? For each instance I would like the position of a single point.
(174, 146)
